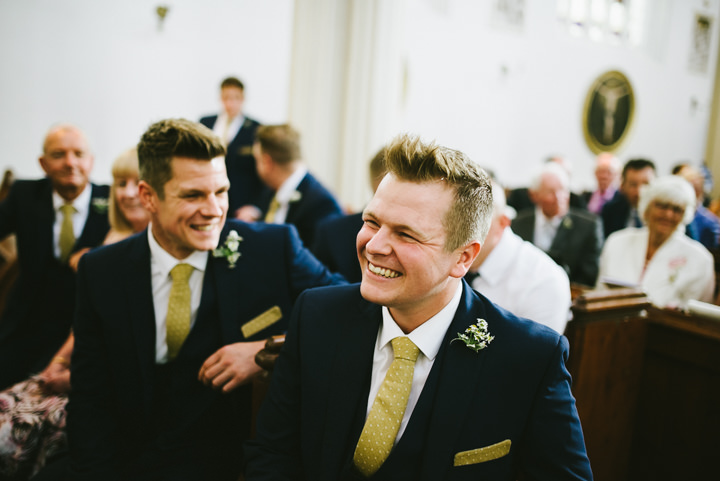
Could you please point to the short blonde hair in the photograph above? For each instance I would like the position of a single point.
(469, 217)
(125, 165)
(672, 189)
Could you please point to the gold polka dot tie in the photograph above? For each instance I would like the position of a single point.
(67, 233)
(177, 323)
(383, 422)
(274, 206)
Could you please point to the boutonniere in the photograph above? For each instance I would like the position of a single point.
(295, 196)
(476, 337)
(567, 223)
(100, 204)
(674, 266)
(229, 250)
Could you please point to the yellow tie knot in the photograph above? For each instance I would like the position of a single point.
(404, 348)
(181, 272)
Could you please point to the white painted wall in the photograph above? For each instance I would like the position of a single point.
(107, 67)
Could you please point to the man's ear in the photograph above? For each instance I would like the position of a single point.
(465, 259)
(148, 197)
(41, 159)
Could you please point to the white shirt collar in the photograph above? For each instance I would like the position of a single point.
(428, 337)
(81, 202)
(286, 192)
(555, 221)
(165, 262)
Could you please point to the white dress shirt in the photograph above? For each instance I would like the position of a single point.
(428, 338)
(228, 135)
(82, 208)
(521, 278)
(545, 230)
(161, 263)
(288, 193)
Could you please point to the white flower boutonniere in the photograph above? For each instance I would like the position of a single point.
(567, 223)
(229, 250)
(476, 337)
(295, 196)
(100, 204)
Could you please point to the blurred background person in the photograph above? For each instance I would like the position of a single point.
(607, 175)
(669, 266)
(705, 226)
(622, 210)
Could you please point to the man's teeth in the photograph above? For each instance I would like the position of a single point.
(205, 228)
(383, 272)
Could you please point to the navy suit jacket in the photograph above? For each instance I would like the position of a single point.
(111, 413)
(516, 389)
(316, 204)
(245, 185)
(335, 245)
(615, 214)
(576, 246)
(39, 311)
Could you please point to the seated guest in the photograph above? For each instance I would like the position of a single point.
(517, 275)
(622, 210)
(571, 237)
(165, 346)
(473, 392)
(705, 226)
(51, 218)
(296, 197)
(670, 267)
(519, 199)
(32, 412)
(237, 131)
(334, 243)
(607, 174)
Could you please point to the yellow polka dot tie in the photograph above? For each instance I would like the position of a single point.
(274, 206)
(67, 233)
(177, 323)
(383, 422)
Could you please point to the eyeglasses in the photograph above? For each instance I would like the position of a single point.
(676, 209)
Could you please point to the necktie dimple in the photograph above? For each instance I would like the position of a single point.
(383, 421)
(177, 323)
(274, 205)
(67, 233)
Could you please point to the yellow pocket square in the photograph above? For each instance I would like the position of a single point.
(257, 324)
(480, 455)
(245, 150)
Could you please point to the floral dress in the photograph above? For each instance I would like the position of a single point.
(32, 428)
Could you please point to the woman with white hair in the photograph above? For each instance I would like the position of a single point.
(669, 266)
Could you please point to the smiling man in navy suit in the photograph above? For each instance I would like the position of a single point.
(161, 359)
(480, 408)
(37, 318)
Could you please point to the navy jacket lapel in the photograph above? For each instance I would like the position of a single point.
(43, 216)
(96, 226)
(293, 207)
(142, 311)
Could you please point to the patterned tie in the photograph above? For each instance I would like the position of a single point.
(67, 234)
(270, 216)
(177, 323)
(383, 422)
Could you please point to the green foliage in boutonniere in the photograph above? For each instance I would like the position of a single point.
(100, 204)
(229, 250)
(476, 337)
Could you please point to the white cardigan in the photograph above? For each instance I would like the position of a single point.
(681, 269)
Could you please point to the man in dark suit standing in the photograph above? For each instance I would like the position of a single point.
(238, 133)
(51, 218)
(621, 211)
(495, 404)
(571, 237)
(295, 196)
(169, 322)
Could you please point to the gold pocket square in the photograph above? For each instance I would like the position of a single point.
(480, 455)
(245, 150)
(257, 324)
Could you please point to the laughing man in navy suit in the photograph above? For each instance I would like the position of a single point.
(155, 398)
(37, 318)
(500, 411)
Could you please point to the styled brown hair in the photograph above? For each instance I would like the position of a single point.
(468, 218)
(280, 142)
(170, 138)
(232, 82)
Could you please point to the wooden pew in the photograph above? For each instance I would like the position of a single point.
(647, 385)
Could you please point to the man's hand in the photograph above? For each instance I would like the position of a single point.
(231, 366)
(75, 258)
(56, 378)
(248, 213)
